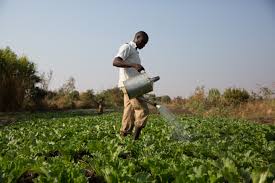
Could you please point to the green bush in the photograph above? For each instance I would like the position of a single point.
(18, 78)
(87, 99)
(197, 102)
(214, 97)
(112, 97)
(235, 96)
(165, 99)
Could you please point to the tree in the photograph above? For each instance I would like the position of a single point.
(74, 95)
(112, 97)
(18, 78)
(68, 87)
(46, 80)
(87, 99)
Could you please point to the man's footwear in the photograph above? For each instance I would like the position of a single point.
(137, 133)
(124, 134)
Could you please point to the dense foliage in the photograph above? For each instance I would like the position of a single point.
(235, 96)
(59, 147)
(18, 77)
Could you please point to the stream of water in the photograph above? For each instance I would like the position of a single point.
(179, 132)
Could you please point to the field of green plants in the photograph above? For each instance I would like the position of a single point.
(60, 147)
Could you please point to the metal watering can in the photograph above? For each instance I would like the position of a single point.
(139, 85)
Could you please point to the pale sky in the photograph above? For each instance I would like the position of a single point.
(218, 44)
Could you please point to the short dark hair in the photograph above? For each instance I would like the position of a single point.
(143, 34)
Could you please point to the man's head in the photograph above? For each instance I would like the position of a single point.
(141, 39)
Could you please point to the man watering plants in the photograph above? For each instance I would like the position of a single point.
(136, 111)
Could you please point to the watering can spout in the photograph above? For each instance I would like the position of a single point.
(154, 79)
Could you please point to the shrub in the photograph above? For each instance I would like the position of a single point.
(112, 97)
(64, 102)
(179, 101)
(214, 97)
(235, 96)
(87, 100)
(165, 99)
(197, 103)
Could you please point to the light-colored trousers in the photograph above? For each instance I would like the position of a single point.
(135, 114)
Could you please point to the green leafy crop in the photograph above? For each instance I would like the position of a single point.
(56, 147)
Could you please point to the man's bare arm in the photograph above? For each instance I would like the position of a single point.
(118, 62)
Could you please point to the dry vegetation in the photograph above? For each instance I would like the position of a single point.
(24, 89)
(259, 107)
